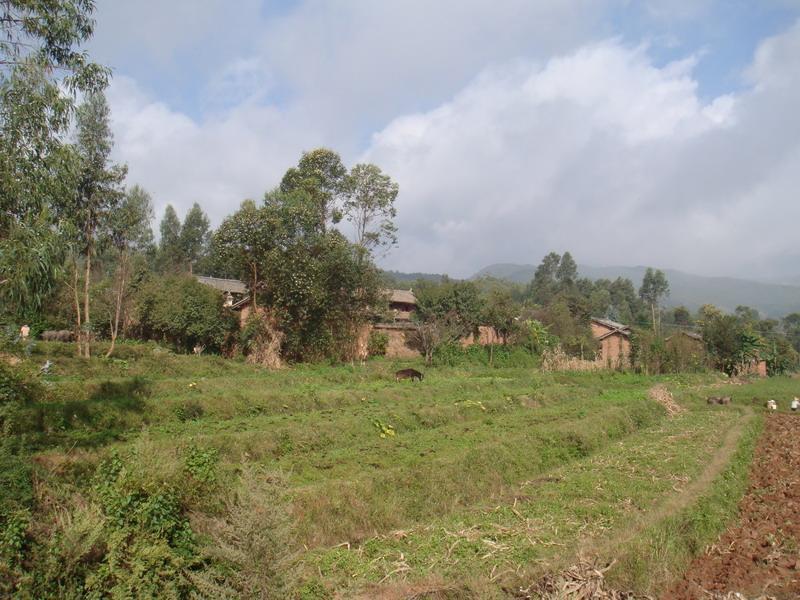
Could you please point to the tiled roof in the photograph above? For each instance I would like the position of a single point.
(224, 285)
(610, 324)
(404, 296)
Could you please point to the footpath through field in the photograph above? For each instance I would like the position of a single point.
(760, 555)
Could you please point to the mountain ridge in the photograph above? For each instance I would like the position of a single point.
(687, 289)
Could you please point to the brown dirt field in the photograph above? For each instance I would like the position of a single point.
(759, 556)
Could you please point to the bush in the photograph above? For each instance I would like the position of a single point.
(377, 344)
(189, 411)
(454, 355)
(184, 312)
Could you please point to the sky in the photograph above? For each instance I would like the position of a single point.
(651, 132)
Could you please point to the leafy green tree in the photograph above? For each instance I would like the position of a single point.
(730, 343)
(369, 205)
(129, 233)
(321, 177)
(781, 357)
(245, 242)
(543, 287)
(747, 314)
(98, 194)
(41, 68)
(170, 253)
(654, 287)
(194, 236)
(567, 272)
(681, 316)
(501, 313)
(456, 303)
(182, 311)
(791, 327)
(317, 286)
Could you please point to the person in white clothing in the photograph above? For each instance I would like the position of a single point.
(795, 403)
(772, 405)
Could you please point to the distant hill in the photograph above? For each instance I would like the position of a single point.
(398, 277)
(692, 291)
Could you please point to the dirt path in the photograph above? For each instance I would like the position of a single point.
(674, 503)
(760, 555)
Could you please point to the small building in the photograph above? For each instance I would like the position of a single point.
(687, 351)
(614, 340)
(402, 304)
(235, 294)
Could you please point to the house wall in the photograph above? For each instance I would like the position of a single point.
(486, 335)
(244, 313)
(755, 368)
(398, 346)
(599, 330)
(615, 350)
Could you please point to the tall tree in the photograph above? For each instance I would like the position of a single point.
(654, 287)
(322, 177)
(543, 287)
(791, 327)
(99, 192)
(245, 241)
(194, 236)
(369, 205)
(567, 272)
(128, 232)
(170, 255)
(41, 67)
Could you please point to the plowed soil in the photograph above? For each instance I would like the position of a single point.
(760, 555)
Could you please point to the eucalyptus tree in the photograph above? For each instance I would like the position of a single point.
(99, 192)
(169, 245)
(41, 69)
(195, 236)
(244, 242)
(129, 232)
(654, 288)
(369, 206)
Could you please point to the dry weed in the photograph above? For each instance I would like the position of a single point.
(663, 396)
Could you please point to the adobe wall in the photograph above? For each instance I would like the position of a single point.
(599, 330)
(615, 350)
(486, 335)
(398, 346)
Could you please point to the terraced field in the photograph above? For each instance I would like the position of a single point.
(338, 481)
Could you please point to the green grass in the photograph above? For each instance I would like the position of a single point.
(491, 477)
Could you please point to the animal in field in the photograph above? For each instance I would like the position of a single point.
(719, 400)
(62, 335)
(411, 374)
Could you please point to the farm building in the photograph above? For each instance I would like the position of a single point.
(615, 341)
(402, 304)
(234, 293)
(688, 350)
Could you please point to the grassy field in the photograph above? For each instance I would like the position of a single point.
(197, 475)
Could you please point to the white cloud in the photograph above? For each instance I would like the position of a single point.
(235, 155)
(512, 131)
(605, 154)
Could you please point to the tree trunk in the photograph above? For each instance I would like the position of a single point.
(78, 341)
(86, 319)
(653, 311)
(254, 269)
(123, 269)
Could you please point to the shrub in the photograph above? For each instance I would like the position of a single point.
(250, 550)
(377, 344)
(201, 463)
(189, 411)
(184, 312)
